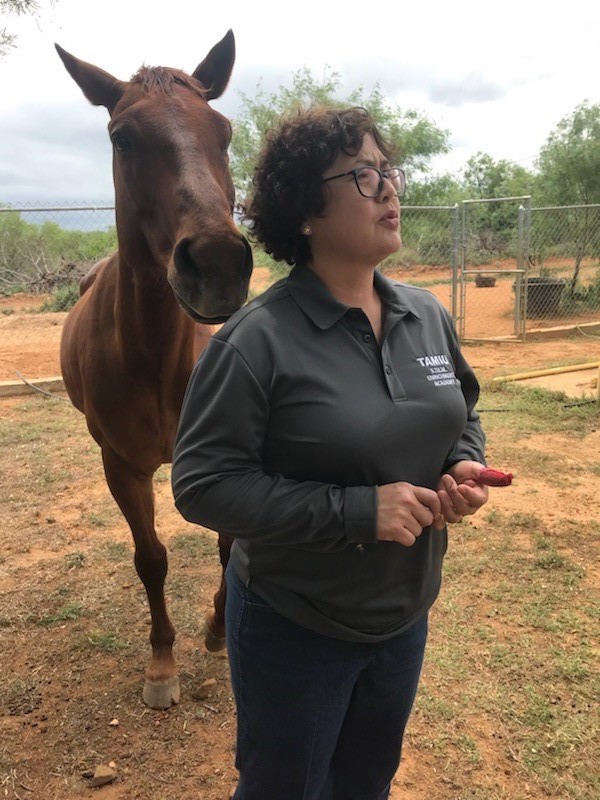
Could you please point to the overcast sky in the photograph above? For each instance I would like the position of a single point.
(498, 76)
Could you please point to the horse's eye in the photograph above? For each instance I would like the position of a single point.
(121, 142)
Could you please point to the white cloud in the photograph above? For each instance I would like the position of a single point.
(499, 77)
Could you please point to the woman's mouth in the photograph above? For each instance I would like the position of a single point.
(391, 219)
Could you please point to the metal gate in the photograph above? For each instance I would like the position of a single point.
(494, 249)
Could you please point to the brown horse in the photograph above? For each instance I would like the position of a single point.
(130, 342)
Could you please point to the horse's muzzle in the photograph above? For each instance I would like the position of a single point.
(211, 280)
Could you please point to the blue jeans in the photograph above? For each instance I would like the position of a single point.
(318, 718)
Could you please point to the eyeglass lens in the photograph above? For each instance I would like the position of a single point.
(370, 181)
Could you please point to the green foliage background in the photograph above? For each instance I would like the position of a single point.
(38, 258)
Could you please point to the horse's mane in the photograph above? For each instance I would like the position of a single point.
(164, 79)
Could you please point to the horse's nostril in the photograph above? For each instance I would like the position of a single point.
(184, 261)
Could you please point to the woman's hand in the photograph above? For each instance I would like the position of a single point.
(458, 491)
(403, 510)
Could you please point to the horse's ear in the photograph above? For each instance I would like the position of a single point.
(100, 88)
(214, 72)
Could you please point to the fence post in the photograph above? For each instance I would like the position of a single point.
(520, 285)
(463, 256)
(527, 235)
(455, 246)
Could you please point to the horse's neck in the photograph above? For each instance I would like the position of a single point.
(148, 316)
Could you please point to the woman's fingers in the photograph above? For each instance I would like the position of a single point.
(474, 496)
(459, 500)
(405, 510)
(428, 504)
(448, 510)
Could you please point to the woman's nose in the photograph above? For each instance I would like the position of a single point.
(387, 189)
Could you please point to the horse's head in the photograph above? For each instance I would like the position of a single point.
(173, 191)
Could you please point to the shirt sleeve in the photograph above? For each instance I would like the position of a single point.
(219, 480)
(471, 445)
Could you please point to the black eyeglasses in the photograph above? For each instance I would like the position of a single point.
(369, 180)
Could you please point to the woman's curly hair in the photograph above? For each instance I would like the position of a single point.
(287, 182)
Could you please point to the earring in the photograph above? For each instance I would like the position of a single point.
(306, 229)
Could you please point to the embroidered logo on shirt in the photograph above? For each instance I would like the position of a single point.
(439, 368)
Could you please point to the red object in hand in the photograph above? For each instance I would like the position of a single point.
(494, 477)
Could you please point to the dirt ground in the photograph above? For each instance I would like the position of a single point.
(29, 341)
(188, 750)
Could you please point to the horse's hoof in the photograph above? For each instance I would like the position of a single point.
(212, 642)
(161, 694)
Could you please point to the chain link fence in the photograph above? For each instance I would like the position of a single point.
(493, 248)
(500, 267)
(563, 284)
(429, 253)
(42, 247)
(504, 269)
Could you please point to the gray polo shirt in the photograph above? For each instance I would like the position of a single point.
(293, 416)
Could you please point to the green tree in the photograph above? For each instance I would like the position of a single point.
(492, 227)
(569, 162)
(416, 138)
(439, 190)
(486, 178)
(41, 257)
(569, 174)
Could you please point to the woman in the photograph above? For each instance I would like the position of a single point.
(330, 429)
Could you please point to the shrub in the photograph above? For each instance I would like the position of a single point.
(63, 298)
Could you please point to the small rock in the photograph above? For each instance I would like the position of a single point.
(114, 723)
(103, 774)
(204, 691)
(88, 773)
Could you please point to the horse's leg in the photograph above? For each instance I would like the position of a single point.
(133, 493)
(214, 627)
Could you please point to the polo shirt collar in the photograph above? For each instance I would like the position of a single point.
(319, 305)
(393, 296)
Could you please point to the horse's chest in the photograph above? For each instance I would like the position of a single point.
(139, 411)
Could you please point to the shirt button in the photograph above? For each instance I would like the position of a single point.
(388, 369)
(367, 337)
